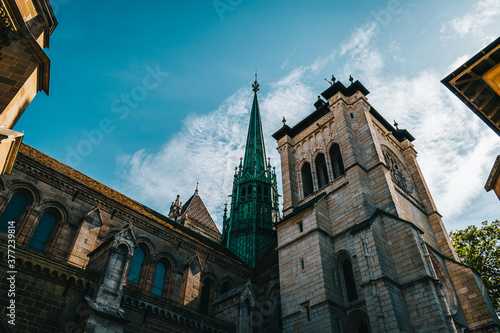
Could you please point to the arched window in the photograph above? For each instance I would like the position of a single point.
(226, 287)
(307, 181)
(43, 231)
(321, 170)
(336, 159)
(134, 272)
(14, 210)
(357, 322)
(159, 280)
(350, 285)
(205, 298)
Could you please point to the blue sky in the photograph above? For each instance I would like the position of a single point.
(149, 99)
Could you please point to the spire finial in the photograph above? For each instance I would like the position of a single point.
(351, 79)
(396, 125)
(196, 191)
(284, 121)
(255, 85)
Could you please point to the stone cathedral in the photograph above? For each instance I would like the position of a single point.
(359, 246)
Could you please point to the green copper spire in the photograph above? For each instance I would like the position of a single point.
(255, 152)
(249, 229)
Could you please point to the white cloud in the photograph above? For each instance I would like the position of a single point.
(455, 149)
(358, 41)
(475, 23)
(208, 147)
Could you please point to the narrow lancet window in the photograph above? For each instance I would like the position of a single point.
(43, 231)
(159, 280)
(350, 285)
(134, 272)
(13, 211)
(321, 170)
(205, 299)
(336, 160)
(307, 182)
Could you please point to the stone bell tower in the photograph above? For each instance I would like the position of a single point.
(362, 247)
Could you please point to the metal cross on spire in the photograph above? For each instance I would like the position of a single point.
(255, 85)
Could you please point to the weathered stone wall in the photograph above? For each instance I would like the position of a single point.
(90, 213)
(48, 294)
(380, 216)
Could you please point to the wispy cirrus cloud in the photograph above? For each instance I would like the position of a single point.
(474, 23)
(208, 147)
(455, 149)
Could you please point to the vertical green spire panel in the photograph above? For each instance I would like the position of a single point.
(249, 229)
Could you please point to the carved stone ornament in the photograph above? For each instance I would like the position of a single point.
(5, 21)
(397, 169)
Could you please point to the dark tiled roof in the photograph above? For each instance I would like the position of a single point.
(348, 92)
(196, 211)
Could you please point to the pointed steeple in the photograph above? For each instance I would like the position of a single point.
(249, 230)
(255, 153)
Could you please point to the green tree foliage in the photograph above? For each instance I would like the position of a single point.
(479, 247)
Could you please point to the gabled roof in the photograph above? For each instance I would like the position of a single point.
(196, 211)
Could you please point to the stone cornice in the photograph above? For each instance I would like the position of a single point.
(44, 265)
(141, 303)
